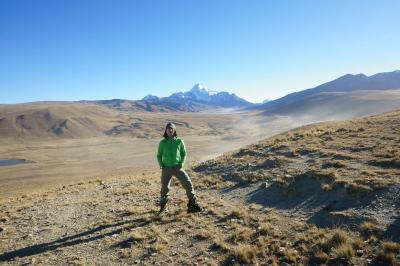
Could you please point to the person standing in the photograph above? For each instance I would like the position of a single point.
(171, 156)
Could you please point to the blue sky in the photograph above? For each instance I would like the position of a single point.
(74, 50)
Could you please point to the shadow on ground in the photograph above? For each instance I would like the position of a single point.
(94, 234)
(322, 208)
(393, 231)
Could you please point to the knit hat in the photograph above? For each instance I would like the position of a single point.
(170, 125)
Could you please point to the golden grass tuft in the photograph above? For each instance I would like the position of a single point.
(219, 243)
(338, 238)
(368, 229)
(318, 257)
(241, 234)
(245, 253)
(238, 213)
(384, 258)
(266, 228)
(290, 256)
(390, 246)
(344, 252)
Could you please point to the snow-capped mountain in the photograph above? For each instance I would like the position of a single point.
(198, 98)
(201, 94)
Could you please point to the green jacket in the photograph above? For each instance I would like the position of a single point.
(171, 152)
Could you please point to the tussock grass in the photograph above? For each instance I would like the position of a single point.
(368, 229)
(386, 254)
(390, 246)
(245, 253)
(339, 237)
(266, 228)
(241, 234)
(220, 244)
(318, 257)
(344, 252)
(290, 256)
(384, 258)
(239, 213)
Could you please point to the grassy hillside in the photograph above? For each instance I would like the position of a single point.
(362, 153)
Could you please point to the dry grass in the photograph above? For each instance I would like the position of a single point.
(319, 257)
(390, 246)
(368, 229)
(245, 253)
(386, 254)
(266, 228)
(339, 152)
(343, 252)
(138, 235)
(384, 258)
(239, 213)
(242, 234)
(339, 237)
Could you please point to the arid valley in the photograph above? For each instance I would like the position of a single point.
(275, 189)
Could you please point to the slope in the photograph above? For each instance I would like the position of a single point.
(330, 173)
(346, 83)
(338, 105)
(49, 120)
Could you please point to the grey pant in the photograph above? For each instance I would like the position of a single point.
(183, 178)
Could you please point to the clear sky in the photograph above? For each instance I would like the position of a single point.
(75, 50)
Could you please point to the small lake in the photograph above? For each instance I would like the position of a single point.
(12, 162)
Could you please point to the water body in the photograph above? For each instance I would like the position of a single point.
(12, 162)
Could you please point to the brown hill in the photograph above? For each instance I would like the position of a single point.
(326, 106)
(347, 83)
(43, 120)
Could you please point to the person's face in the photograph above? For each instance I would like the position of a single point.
(170, 132)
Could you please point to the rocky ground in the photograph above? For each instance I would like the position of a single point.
(112, 221)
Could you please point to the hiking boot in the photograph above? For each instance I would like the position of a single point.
(193, 206)
(163, 207)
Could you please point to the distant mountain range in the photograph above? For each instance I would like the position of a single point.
(197, 99)
(346, 97)
(202, 95)
(346, 83)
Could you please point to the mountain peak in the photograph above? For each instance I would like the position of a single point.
(150, 97)
(201, 91)
(198, 87)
